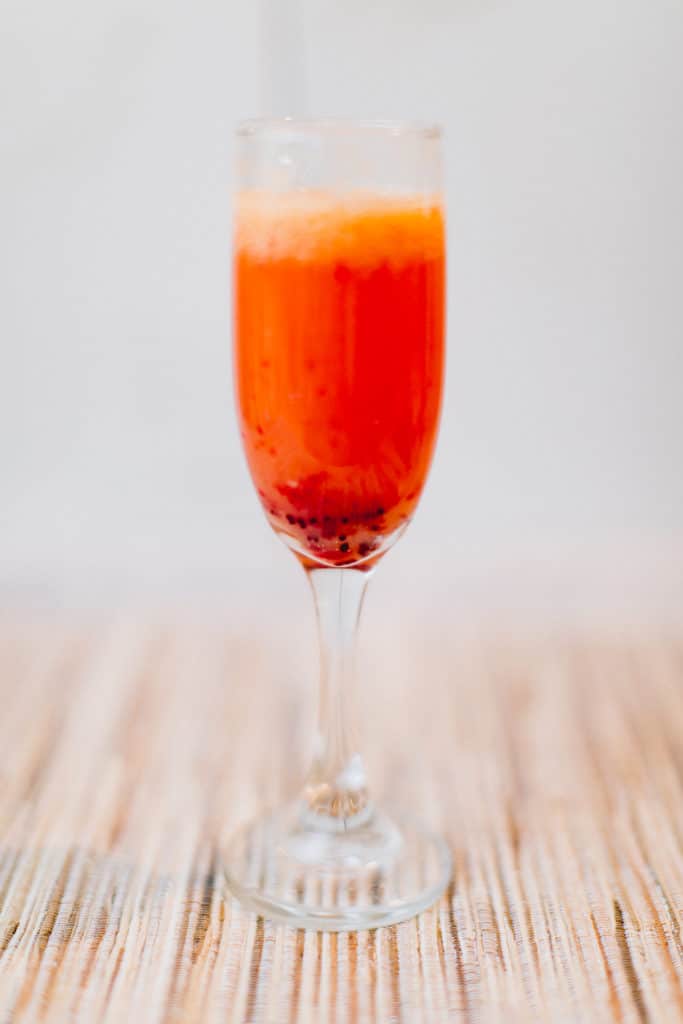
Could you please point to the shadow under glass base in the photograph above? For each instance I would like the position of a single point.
(313, 873)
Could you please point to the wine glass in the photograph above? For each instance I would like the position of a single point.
(339, 305)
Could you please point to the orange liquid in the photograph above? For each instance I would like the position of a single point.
(339, 306)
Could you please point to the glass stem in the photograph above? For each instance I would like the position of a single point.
(336, 795)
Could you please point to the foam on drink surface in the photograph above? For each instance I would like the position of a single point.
(356, 228)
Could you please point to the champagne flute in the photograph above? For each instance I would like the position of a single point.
(339, 303)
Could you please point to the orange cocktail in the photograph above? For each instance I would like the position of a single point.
(339, 304)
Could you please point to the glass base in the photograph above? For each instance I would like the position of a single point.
(318, 873)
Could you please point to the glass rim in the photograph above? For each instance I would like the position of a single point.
(256, 126)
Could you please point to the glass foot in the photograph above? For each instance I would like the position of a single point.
(318, 873)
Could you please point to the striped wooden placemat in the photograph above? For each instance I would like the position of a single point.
(130, 751)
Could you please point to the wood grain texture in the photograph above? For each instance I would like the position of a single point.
(554, 765)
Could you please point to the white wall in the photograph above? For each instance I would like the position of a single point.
(562, 436)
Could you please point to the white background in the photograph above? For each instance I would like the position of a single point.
(561, 452)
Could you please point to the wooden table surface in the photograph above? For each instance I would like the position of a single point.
(554, 765)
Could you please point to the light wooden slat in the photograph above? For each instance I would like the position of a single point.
(130, 751)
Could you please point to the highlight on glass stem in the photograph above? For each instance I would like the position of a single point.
(339, 308)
